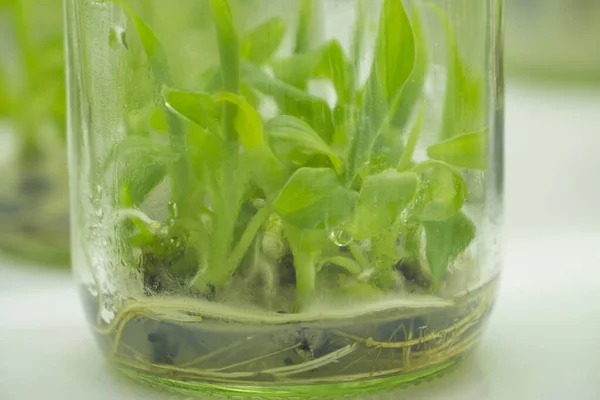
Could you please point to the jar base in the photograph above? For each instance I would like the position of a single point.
(182, 347)
(274, 392)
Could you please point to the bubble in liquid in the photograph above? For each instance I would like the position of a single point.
(340, 237)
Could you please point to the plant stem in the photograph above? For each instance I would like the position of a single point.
(305, 278)
(359, 255)
(248, 236)
(181, 176)
(218, 275)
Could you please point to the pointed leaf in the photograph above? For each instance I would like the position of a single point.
(314, 198)
(140, 163)
(393, 64)
(260, 44)
(413, 89)
(464, 151)
(395, 52)
(295, 142)
(292, 101)
(382, 198)
(446, 240)
(305, 26)
(228, 44)
(152, 46)
(197, 107)
(327, 62)
(264, 169)
(248, 123)
(205, 150)
(442, 191)
(464, 104)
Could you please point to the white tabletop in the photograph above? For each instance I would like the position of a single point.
(543, 341)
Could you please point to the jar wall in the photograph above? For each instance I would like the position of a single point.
(322, 184)
(34, 194)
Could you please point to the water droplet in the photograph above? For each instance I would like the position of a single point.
(340, 237)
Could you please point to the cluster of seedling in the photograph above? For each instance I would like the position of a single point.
(323, 198)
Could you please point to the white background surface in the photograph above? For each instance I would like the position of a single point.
(543, 341)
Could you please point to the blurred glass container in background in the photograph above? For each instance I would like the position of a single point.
(33, 188)
(553, 39)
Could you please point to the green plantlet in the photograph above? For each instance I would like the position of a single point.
(289, 206)
(288, 161)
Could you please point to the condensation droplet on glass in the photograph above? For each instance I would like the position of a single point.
(340, 237)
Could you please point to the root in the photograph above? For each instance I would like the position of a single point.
(435, 348)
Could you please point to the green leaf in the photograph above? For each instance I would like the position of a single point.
(314, 198)
(152, 46)
(162, 76)
(228, 45)
(393, 64)
(140, 164)
(446, 240)
(382, 197)
(248, 123)
(465, 92)
(464, 151)
(295, 142)
(229, 56)
(292, 101)
(264, 169)
(327, 62)
(413, 89)
(205, 150)
(305, 26)
(260, 44)
(197, 107)
(313, 239)
(442, 191)
(395, 50)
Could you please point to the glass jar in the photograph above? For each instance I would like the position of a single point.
(554, 39)
(269, 203)
(34, 212)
